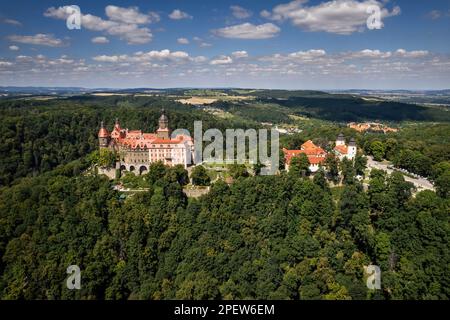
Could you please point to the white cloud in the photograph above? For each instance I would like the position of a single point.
(12, 22)
(378, 54)
(40, 39)
(249, 31)
(411, 54)
(339, 16)
(434, 14)
(100, 40)
(179, 15)
(200, 59)
(240, 13)
(265, 14)
(368, 53)
(14, 48)
(139, 57)
(315, 68)
(105, 58)
(201, 43)
(183, 41)
(130, 15)
(118, 25)
(308, 55)
(221, 60)
(240, 54)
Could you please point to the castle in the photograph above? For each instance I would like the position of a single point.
(137, 150)
(316, 155)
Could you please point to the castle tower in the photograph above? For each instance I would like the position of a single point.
(117, 131)
(163, 130)
(103, 137)
(352, 149)
(340, 141)
(117, 125)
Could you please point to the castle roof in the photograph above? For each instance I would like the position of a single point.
(103, 133)
(311, 149)
(314, 153)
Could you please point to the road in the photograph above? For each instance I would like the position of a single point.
(420, 183)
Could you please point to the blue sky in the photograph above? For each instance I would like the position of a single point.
(258, 44)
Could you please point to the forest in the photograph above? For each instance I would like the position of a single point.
(263, 237)
(288, 236)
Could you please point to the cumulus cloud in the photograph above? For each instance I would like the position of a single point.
(100, 40)
(339, 16)
(378, 54)
(368, 53)
(314, 53)
(240, 13)
(5, 64)
(130, 15)
(315, 66)
(240, 54)
(125, 23)
(411, 54)
(177, 14)
(139, 57)
(183, 41)
(221, 60)
(14, 48)
(40, 39)
(249, 31)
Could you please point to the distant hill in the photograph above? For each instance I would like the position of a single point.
(345, 107)
(348, 105)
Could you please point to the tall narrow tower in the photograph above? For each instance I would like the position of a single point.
(103, 137)
(163, 130)
(340, 141)
(352, 149)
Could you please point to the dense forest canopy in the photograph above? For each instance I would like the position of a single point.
(274, 237)
(288, 236)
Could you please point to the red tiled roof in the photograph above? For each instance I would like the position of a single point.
(166, 141)
(341, 149)
(314, 156)
(311, 149)
(316, 160)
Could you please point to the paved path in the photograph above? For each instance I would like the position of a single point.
(420, 183)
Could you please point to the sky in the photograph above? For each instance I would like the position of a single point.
(301, 44)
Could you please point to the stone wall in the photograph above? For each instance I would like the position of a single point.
(196, 192)
(109, 172)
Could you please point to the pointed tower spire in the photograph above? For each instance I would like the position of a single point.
(103, 133)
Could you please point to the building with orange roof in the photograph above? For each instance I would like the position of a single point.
(342, 150)
(137, 150)
(316, 155)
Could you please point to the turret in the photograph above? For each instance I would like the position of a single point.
(352, 149)
(163, 130)
(340, 141)
(117, 125)
(103, 136)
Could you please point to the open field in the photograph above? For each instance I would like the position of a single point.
(196, 100)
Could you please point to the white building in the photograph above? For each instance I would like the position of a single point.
(343, 150)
